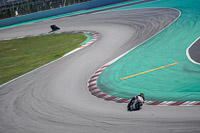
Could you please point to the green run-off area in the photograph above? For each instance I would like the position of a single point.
(19, 56)
(180, 82)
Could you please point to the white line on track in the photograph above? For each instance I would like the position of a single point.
(187, 52)
(95, 35)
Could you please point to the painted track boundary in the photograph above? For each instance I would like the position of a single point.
(95, 36)
(95, 91)
(188, 54)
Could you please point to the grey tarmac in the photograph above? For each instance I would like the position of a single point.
(55, 99)
(194, 51)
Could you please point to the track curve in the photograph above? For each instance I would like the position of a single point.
(193, 51)
(55, 97)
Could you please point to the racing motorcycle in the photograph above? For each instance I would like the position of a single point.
(54, 28)
(135, 103)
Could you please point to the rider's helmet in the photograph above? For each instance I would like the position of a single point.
(142, 94)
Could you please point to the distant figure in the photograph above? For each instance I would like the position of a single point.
(136, 102)
(16, 13)
(54, 28)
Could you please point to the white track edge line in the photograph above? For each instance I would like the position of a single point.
(187, 52)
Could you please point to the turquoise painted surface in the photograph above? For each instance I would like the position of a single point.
(69, 14)
(89, 37)
(57, 11)
(180, 82)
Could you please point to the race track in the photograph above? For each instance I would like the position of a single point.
(55, 99)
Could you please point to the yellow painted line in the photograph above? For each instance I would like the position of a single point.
(149, 71)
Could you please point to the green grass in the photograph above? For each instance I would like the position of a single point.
(19, 56)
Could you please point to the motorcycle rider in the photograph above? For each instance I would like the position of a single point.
(136, 102)
(142, 95)
(54, 27)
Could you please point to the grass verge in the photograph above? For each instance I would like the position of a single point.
(19, 56)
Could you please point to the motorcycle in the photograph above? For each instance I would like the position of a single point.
(135, 103)
(54, 28)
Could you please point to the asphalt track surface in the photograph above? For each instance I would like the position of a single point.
(55, 99)
(194, 51)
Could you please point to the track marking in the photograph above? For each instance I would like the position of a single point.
(94, 90)
(149, 71)
(188, 54)
(95, 36)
